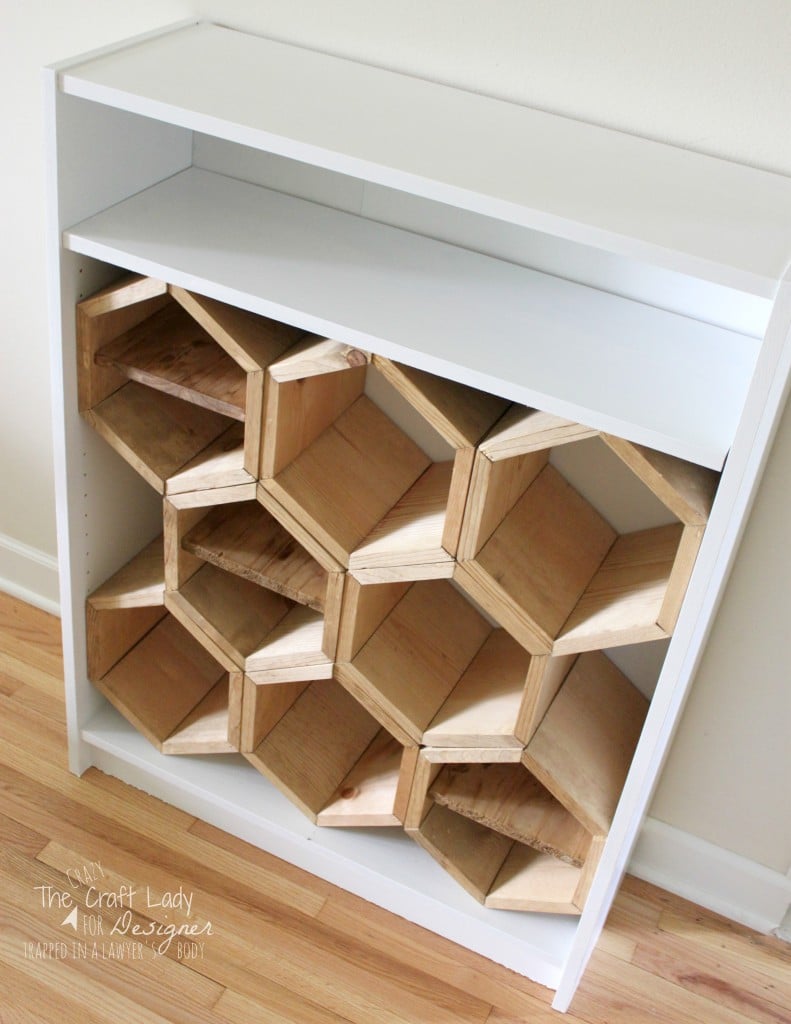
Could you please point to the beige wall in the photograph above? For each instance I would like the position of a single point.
(711, 75)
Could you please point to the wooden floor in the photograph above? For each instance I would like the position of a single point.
(284, 946)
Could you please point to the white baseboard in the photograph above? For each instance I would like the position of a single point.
(29, 574)
(722, 881)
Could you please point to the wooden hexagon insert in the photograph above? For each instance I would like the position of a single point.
(153, 671)
(500, 833)
(247, 589)
(174, 381)
(324, 751)
(542, 560)
(353, 479)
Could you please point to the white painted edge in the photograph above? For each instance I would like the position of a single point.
(715, 878)
(120, 44)
(29, 574)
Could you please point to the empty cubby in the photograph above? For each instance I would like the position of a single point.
(321, 748)
(543, 560)
(153, 671)
(174, 381)
(385, 497)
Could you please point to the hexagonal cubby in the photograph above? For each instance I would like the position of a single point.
(325, 752)
(524, 830)
(432, 669)
(542, 560)
(250, 593)
(500, 833)
(371, 459)
(153, 670)
(174, 381)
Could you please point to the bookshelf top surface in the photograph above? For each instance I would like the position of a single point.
(653, 377)
(704, 217)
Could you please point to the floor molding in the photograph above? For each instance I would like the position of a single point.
(717, 879)
(29, 574)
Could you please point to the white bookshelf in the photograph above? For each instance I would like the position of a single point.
(618, 282)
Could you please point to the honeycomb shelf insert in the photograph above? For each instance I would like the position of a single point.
(374, 585)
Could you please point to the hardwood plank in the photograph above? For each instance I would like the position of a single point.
(367, 796)
(506, 798)
(623, 601)
(30, 634)
(138, 584)
(544, 678)
(460, 414)
(613, 992)
(315, 745)
(417, 655)
(27, 1001)
(156, 433)
(522, 430)
(246, 540)
(408, 944)
(297, 640)
(583, 748)
(411, 532)
(277, 1006)
(350, 477)
(483, 708)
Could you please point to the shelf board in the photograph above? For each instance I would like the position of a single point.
(383, 865)
(652, 377)
(172, 353)
(245, 540)
(706, 217)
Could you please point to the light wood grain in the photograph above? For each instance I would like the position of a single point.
(161, 680)
(220, 464)
(138, 584)
(246, 540)
(460, 414)
(686, 489)
(522, 430)
(156, 433)
(510, 800)
(683, 564)
(483, 708)
(172, 353)
(416, 656)
(102, 318)
(305, 393)
(534, 881)
(365, 608)
(584, 746)
(262, 708)
(623, 601)
(314, 746)
(111, 634)
(206, 728)
(350, 477)
(367, 796)
(411, 533)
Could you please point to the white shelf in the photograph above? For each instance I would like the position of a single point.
(708, 218)
(226, 791)
(650, 376)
